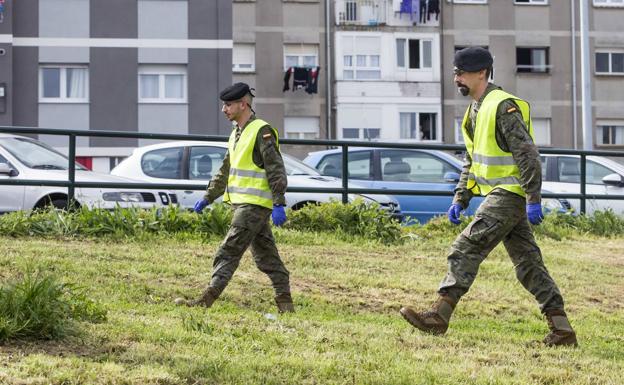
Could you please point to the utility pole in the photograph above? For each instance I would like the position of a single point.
(586, 108)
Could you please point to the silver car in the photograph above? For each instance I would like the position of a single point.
(23, 158)
(194, 162)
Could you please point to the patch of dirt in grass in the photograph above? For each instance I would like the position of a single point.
(15, 350)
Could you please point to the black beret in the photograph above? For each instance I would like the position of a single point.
(473, 59)
(235, 92)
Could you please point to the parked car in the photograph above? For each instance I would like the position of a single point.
(562, 174)
(23, 158)
(405, 169)
(194, 162)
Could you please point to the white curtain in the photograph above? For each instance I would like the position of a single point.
(148, 86)
(174, 86)
(76, 83)
(406, 125)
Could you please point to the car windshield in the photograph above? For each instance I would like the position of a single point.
(34, 154)
(296, 167)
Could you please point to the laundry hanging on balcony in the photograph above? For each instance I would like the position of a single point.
(411, 7)
(305, 78)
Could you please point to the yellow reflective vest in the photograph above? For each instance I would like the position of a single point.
(491, 166)
(247, 183)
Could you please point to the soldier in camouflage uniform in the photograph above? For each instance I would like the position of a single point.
(502, 163)
(253, 179)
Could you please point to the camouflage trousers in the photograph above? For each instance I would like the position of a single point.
(250, 227)
(501, 217)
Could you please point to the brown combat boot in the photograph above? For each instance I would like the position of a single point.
(561, 332)
(284, 303)
(434, 321)
(206, 300)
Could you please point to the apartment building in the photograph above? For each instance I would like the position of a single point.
(279, 49)
(387, 70)
(537, 58)
(139, 66)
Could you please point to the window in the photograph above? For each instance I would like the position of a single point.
(162, 84)
(359, 167)
(300, 55)
(163, 163)
(63, 83)
(541, 131)
(532, 60)
(536, 2)
(610, 63)
(611, 134)
(413, 166)
(244, 58)
(205, 161)
(569, 170)
(350, 133)
(420, 126)
(350, 11)
(414, 52)
(302, 127)
(609, 3)
(371, 133)
(361, 57)
(459, 135)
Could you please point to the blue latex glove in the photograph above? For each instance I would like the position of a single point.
(278, 215)
(200, 205)
(534, 213)
(453, 213)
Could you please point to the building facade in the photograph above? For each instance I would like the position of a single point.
(387, 70)
(142, 66)
(279, 49)
(536, 58)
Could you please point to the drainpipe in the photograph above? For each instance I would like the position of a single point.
(328, 100)
(573, 44)
(586, 80)
(442, 77)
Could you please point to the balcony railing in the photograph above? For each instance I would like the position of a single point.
(362, 12)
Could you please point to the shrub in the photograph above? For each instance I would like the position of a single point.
(39, 306)
(356, 219)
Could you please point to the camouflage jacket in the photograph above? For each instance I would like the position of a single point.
(512, 136)
(265, 155)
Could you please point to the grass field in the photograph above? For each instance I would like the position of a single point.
(346, 330)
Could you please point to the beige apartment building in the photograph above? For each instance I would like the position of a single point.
(272, 37)
(391, 68)
(531, 41)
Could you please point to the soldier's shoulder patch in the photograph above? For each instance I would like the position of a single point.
(511, 109)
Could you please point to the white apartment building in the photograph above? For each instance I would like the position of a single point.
(387, 71)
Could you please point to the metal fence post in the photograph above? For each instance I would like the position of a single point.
(71, 171)
(345, 173)
(583, 180)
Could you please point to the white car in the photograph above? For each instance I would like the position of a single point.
(23, 158)
(194, 162)
(562, 174)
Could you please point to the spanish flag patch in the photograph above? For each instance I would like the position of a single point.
(511, 109)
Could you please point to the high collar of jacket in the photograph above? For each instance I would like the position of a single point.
(251, 119)
(490, 87)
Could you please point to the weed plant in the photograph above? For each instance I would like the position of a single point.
(39, 306)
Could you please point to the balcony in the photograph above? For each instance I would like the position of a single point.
(373, 13)
(361, 12)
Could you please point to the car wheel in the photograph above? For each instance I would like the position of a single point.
(60, 204)
(300, 205)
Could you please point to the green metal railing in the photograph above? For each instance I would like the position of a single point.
(71, 183)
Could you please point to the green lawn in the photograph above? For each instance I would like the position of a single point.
(347, 329)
